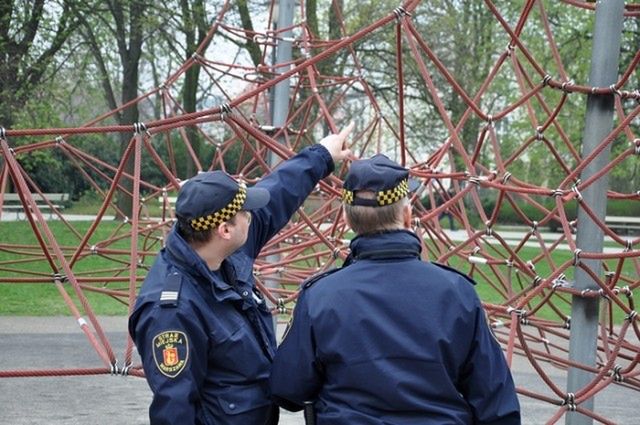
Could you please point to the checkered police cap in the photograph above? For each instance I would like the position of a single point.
(388, 180)
(214, 197)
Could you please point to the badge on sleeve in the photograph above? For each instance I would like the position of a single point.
(171, 352)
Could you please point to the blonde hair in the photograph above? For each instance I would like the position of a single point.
(367, 220)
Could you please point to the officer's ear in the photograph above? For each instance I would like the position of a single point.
(345, 217)
(406, 215)
(223, 231)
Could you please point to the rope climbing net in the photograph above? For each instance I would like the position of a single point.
(509, 146)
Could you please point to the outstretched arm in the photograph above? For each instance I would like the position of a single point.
(290, 184)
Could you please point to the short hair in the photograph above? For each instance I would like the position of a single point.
(196, 237)
(368, 220)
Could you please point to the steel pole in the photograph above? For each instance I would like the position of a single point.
(281, 92)
(590, 238)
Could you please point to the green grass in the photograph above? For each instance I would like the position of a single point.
(44, 298)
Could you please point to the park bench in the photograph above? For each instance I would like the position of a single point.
(171, 200)
(623, 224)
(47, 201)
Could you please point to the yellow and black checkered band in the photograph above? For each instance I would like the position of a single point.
(215, 219)
(383, 197)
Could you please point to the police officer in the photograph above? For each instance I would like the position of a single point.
(389, 338)
(203, 331)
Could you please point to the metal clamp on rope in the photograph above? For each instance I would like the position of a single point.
(59, 277)
(570, 402)
(617, 376)
(614, 90)
(125, 370)
(225, 109)
(576, 256)
(518, 312)
(565, 85)
(400, 12)
(637, 147)
(490, 120)
(506, 177)
(631, 316)
(539, 135)
(474, 179)
(114, 367)
(546, 80)
(536, 280)
(603, 294)
(59, 140)
(259, 38)
(281, 307)
(510, 49)
(488, 231)
(3, 133)
(140, 127)
(557, 192)
(577, 192)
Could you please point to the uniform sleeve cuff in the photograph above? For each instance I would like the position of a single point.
(324, 153)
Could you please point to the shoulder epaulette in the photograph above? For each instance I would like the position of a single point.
(451, 269)
(171, 291)
(313, 279)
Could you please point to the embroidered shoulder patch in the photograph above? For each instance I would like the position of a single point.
(171, 352)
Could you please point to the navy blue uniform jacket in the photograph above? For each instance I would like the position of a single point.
(207, 355)
(391, 339)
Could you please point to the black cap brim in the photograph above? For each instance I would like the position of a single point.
(256, 198)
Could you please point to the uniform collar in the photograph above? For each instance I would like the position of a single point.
(391, 244)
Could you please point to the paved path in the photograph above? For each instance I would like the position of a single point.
(56, 342)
